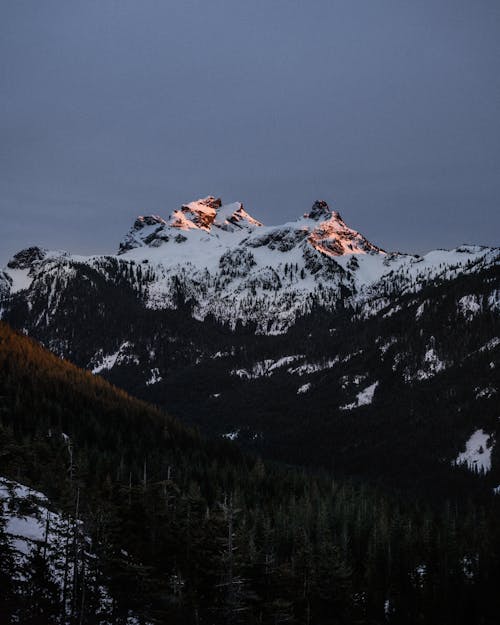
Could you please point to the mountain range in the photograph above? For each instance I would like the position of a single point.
(305, 341)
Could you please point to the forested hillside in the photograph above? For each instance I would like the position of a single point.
(176, 529)
(391, 388)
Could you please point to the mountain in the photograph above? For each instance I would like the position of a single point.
(304, 341)
(230, 267)
(112, 512)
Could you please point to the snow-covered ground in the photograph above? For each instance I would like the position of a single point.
(490, 345)
(313, 367)
(477, 454)
(125, 354)
(432, 364)
(470, 305)
(267, 368)
(363, 398)
(154, 377)
(232, 436)
(27, 530)
(32, 524)
(304, 388)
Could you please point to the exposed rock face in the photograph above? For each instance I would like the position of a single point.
(145, 230)
(333, 237)
(25, 258)
(199, 214)
(319, 210)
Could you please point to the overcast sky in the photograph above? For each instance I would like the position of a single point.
(389, 110)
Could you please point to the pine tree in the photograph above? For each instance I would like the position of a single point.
(40, 590)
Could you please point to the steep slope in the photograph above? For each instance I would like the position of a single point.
(178, 530)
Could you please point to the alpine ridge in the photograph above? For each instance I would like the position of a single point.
(227, 265)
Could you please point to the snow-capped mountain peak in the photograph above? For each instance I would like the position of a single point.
(323, 229)
(228, 265)
(231, 216)
(332, 236)
(198, 214)
(209, 212)
(207, 215)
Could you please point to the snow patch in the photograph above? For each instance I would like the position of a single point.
(392, 311)
(363, 398)
(313, 367)
(232, 436)
(21, 279)
(154, 377)
(493, 301)
(485, 393)
(220, 354)
(469, 306)
(477, 454)
(432, 365)
(420, 310)
(387, 344)
(304, 388)
(107, 362)
(491, 344)
(121, 356)
(265, 368)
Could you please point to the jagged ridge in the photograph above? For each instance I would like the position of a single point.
(228, 265)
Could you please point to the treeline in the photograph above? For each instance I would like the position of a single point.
(187, 531)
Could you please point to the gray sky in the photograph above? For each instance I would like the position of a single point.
(387, 109)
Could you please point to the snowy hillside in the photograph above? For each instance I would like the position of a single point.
(50, 557)
(227, 265)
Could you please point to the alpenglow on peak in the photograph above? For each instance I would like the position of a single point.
(321, 228)
(228, 265)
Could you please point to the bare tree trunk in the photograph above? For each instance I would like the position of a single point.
(66, 573)
(82, 605)
(46, 539)
(75, 554)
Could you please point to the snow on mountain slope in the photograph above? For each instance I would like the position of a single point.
(124, 355)
(33, 525)
(477, 454)
(267, 367)
(207, 215)
(227, 264)
(363, 398)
